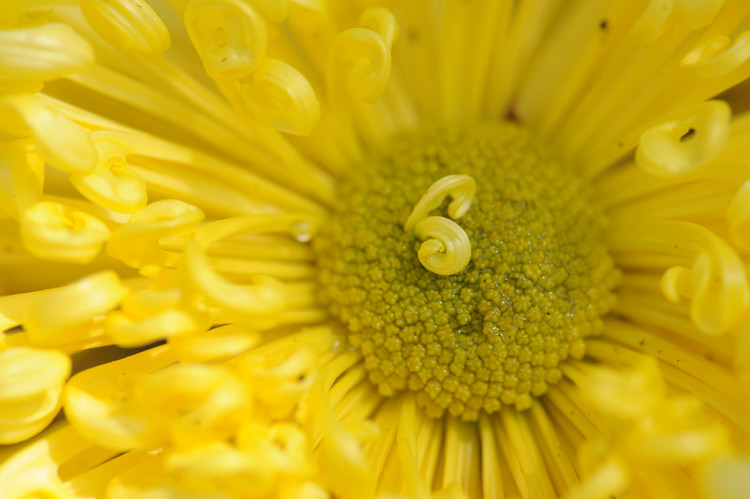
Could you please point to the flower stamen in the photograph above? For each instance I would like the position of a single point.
(461, 188)
(447, 249)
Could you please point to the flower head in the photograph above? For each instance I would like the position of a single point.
(311, 249)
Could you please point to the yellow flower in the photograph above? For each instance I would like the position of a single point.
(351, 249)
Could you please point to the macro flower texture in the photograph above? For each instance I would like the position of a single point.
(352, 249)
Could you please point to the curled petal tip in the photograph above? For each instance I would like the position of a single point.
(229, 36)
(447, 249)
(687, 140)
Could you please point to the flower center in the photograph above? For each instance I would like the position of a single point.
(493, 331)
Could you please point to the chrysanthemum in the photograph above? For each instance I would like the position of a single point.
(332, 248)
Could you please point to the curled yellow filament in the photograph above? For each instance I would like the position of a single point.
(54, 231)
(717, 283)
(381, 21)
(446, 249)
(461, 188)
(718, 55)
(192, 404)
(229, 36)
(265, 298)
(129, 24)
(112, 184)
(360, 62)
(137, 242)
(32, 382)
(281, 96)
(686, 140)
(98, 400)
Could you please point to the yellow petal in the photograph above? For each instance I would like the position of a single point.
(128, 24)
(61, 315)
(45, 52)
